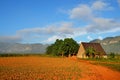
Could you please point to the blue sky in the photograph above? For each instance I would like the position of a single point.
(44, 21)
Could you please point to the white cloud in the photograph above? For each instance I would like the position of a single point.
(64, 30)
(81, 12)
(103, 25)
(50, 33)
(87, 12)
(11, 39)
(95, 24)
(119, 2)
(79, 42)
(100, 37)
(89, 38)
(53, 38)
(63, 27)
(100, 5)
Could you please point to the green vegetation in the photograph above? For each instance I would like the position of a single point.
(90, 52)
(18, 55)
(112, 55)
(113, 66)
(112, 62)
(64, 47)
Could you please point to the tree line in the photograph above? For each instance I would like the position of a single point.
(66, 47)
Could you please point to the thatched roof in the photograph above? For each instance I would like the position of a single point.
(96, 46)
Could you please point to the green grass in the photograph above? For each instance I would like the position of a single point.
(111, 66)
(112, 63)
(111, 60)
(26, 54)
(20, 54)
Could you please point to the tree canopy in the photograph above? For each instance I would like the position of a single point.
(65, 47)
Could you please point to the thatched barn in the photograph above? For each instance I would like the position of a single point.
(98, 51)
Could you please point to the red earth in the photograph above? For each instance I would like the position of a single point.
(97, 72)
(50, 68)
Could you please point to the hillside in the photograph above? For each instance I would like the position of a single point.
(110, 44)
(22, 48)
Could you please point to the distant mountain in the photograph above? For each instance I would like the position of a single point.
(110, 44)
(22, 48)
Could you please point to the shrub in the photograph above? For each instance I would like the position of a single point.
(112, 55)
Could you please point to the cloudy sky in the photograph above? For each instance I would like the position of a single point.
(44, 21)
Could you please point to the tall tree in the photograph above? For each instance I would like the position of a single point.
(64, 48)
(54, 49)
(49, 49)
(71, 46)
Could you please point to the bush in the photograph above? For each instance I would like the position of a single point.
(112, 55)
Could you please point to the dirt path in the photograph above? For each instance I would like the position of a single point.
(97, 72)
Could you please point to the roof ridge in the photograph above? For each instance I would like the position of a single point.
(96, 46)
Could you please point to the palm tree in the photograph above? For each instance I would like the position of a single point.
(90, 52)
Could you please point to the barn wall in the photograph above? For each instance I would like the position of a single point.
(81, 52)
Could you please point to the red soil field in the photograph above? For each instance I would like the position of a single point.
(48, 68)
